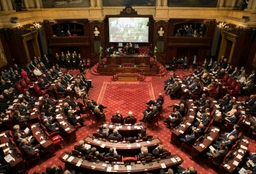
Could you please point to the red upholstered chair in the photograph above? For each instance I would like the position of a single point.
(88, 63)
(215, 93)
(130, 121)
(225, 78)
(29, 159)
(39, 92)
(91, 114)
(115, 120)
(227, 83)
(232, 84)
(129, 159)
(104, 60)
(56, 138)
(59, 95)
(236, 90)
(23, 83)
(20, 89)
(154, 121)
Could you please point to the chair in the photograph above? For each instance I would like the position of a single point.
(23, 83)
(130, 121)
(116, 120)
(29, 159)
(164, 155)
(147, 138)
(228, 82)
(98, 135)
(232, 84)
(90, 158)
(56, 138)
(59, 95)
(114, 139)
(130, 139)
(236, 90)
(154, 121)
(129, 159)
(147, 159)
(39, 92)
(215, 92)
(21, 90)
(225, 78)
(27, 79)
(88, 63)
(91, 114)
(110, 159)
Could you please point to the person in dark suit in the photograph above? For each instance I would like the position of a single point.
(144, 153)
(60, 88)
(249, 102)
(218, 154)
(54, 170)
(234, 132)
(98, 114)
(95, 153)
(115, 134)
(8, 95)
(46, 61)
(173, 120)
(112, 153)
(169, 171)
(175, 89)
(74, 104)
(54, 126)
(158, 151)
(189, 170)
(149, 114)
(160, 98)
(228, 142)
(252, 109)
(225, 100)
(27, 149)
(224, 64)
(129, 117)
(201, 101)
(73, 120)
(118, 115)
(111, 50)
(81, 148)
(190, 138)
(3, 104)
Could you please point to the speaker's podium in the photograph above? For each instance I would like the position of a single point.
(128, 65)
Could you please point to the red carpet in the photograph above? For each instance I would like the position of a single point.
(124, 97)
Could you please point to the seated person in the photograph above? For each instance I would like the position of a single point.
(142, 133)
(201, 101)
(249, 102)
(144, 153)
(226, 135)
(169, 171)
(231, 118)
(95, 153)
(176, 88)
(149, 115)
(27, 149)
(51, 126)
(118, 115)
(31, 140)
(158, 151)
(4, 104)
(20, 118)
(225, 100)
(98, 114)
(74, 104)
(74, 120)
(189, 170)
(218, 154)
(61, 88)
(24, 133)
(129, 117)
(191, 138)
(79, 92)
(115, 134)
(112, 153)
(29, 98)
(228, 142)
(81, 147)
(103, 131)
(54, 169)
(160, 98)
(252, 109)
(173, 120)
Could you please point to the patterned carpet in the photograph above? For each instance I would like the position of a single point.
(125, 97)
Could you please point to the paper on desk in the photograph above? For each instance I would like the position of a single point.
(138, 144)
(67, 129)
(20, 96)
(70, 159)
(40, 98)
(2, 145)
(181, 131)
(173, 160)
(42, 142)
(15, 101)
(65, 156)
(243, 147)
(6, 150)
(8, 158)
(239, 156)
(148, 142)
(2, 134)
(129, 127)
(191, 116)
(78, 164)
(98, 142)
(202, 145)
(178, 158)
(110, 126)
(227, 166)
(209, 138)
(217, 106)
(163, 165)
(8, 112)
(129, 167)
(211, 148)
(116, 167)
(235, 163)
(109, 169)
(103, 145)
(246, 141)
(188, 123)
(129, 146)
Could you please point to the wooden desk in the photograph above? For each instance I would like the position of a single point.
(136, 59)
(18, 162)
(102, 167)
(42, 138)
(122, 147)
(237, 154)
(182, 127)
(125, 130)
(205, 141)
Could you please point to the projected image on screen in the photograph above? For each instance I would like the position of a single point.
(128, 29)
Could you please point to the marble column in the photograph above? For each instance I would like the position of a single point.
(233, 3)
(4, 5)
(249, 6)
(26, 4)
(41, 3)
(158, 3)
(10, 6)
(253, 7)
(99, 3)
(221, 3)
(92, 3)
(37, 4)
(165, 3)
(31, 3)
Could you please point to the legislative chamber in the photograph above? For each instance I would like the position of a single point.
(123, 86)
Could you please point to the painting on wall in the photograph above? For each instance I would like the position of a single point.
(3, 60)
(65, 3)
(192, 3)
(129, 2)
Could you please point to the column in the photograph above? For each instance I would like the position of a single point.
(221, 3)
(4, 5)
(253, 7)
(41, 3)
(9, 2)
(26, 4)
(158, 3)
(98, 3)
(31, 3)
(92, 3)
(165, 3)
(37, 4)
(233, 3)
(249, 6)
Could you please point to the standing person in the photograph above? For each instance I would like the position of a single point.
(46, 61)
(68, 62)
(73, 61)
(57, 58)
(194, 62)
(63, 60)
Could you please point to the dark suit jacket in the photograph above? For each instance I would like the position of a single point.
(72, 119)
(27, 150)
(60, 89)
(83, 150)
(143, 155)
